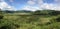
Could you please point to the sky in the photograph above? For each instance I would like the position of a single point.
(31, 5)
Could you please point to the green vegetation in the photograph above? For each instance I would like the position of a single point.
(45, 19)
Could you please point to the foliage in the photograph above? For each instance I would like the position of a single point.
(40, 21)
(1, 15)
(46, 12)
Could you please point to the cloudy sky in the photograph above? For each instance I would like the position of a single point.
(31, 5)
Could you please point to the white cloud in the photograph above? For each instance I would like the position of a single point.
(5, 6)
(31, 2)
(55, 6)
(42, 5)
(30, 8)
(11, 0)
(1, 0)
(57, 0)
(50, 6)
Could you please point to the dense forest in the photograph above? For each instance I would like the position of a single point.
(40, 19)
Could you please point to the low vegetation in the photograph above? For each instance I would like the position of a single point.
(38, 20)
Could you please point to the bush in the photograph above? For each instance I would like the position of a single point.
(58, 19)
(1, 17)
(8, 27)
(33, 19)
(8, 24)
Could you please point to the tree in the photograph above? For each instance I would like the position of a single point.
(0, 11)
(41, 12)
(37, 12)
(54, 13)
(1, 16)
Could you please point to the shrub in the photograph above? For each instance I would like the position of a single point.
(8, 27)
(58, 19)
(1, 17)
(33, 19)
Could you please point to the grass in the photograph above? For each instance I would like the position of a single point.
(30, 22)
